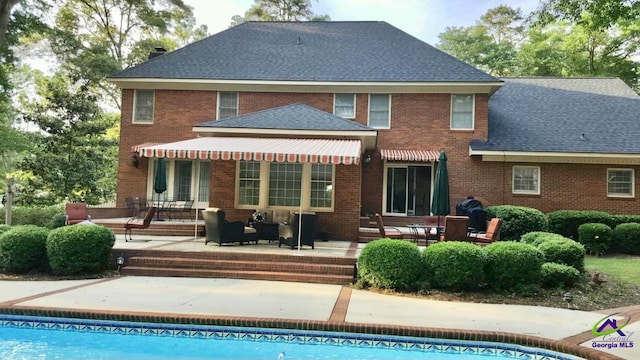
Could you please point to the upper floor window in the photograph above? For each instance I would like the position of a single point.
(227, 104)
(143, 106)
(380, 111)
(462, 106)
(620, 183)
(526, 180)
(344, 105)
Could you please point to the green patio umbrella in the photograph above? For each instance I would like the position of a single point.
(440, 202)
(160, 181)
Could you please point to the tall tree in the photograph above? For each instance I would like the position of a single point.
(604, 13)
(279, 10)
(72, 151)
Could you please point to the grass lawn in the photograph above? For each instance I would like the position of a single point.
(623, 267)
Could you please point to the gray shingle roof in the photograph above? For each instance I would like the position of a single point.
(575, 115)
(309, 51)
(289, 117)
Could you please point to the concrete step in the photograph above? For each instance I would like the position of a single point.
(235, 274)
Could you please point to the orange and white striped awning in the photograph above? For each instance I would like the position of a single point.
(409, 155)
(323, 151)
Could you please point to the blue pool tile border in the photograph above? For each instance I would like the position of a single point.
(406, 343)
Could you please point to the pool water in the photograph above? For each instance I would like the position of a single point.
(56, 338)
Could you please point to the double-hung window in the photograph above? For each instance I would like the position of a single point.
(620, 183)
(285, 185)
(344, 105)
(462, 106)
(227, 104)
(380, 111)
(526, 180)
(143, 106)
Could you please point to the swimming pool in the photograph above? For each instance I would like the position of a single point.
(28, 337)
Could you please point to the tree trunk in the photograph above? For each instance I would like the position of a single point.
(5, 13)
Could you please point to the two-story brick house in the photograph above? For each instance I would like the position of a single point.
(341, 118)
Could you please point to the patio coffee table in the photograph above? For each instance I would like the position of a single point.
(267, 230)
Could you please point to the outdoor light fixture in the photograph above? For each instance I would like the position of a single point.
(568, 298)
(120, 261)
(134, 160)
(367, 159)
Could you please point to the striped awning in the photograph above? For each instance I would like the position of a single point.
(409, 155)
(323, 151)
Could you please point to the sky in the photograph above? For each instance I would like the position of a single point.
(424, 19)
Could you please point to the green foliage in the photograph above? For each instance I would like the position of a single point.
(563, 251)
(22, 249)
(566, 222)
(4, 228)
(45, 216)
(535, 238)
(559, 275)
(628, 237)
(512, 265)
(79, 249)
(596, 237)
(455, 265)
(390, 264)
(517, 220)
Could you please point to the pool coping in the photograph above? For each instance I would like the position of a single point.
(317, 325)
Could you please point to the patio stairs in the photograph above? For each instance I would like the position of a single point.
(166, 228)
(238, 265)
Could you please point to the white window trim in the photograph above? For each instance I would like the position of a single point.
(171, 163)
(305, 194)
(135, 106)
(513, 180)
(369, 112)
(473, 113)
(218, 102)
(633, 184)
(354, 105)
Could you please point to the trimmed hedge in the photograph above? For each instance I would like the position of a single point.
(4, 228)
(536, 238)
(455, 265)
(79, 249)
(44, 216)
(23, 249)
(595, 237)
(564, 251)
(628, 237)
(558, 275)
(390, 264)
(512, 265)
(567, 222)
(517, 220)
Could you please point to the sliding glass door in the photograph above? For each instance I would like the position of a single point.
(407, 190)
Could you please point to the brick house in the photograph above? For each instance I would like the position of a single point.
(348, 117)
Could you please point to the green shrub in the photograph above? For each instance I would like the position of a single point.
(517, 220)
(40, 216)
(559, 275)
(535, 238)
(390, 264)
(455, 265)
(22, 249)
(566, 222)
(595, 237)
(628, 237)
(512, 265)
(79, 249)
(4, 228)
(563, 251)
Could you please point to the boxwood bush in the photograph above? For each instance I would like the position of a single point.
(517, 220)
(455, 265)
(79, 249)
(559, 275)
(23, 249)
(566, 222)
(390, 264)
(4, 228)
(535, 238)
(628, 237)
(595, 237)
(513, 265)
(564, 251)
